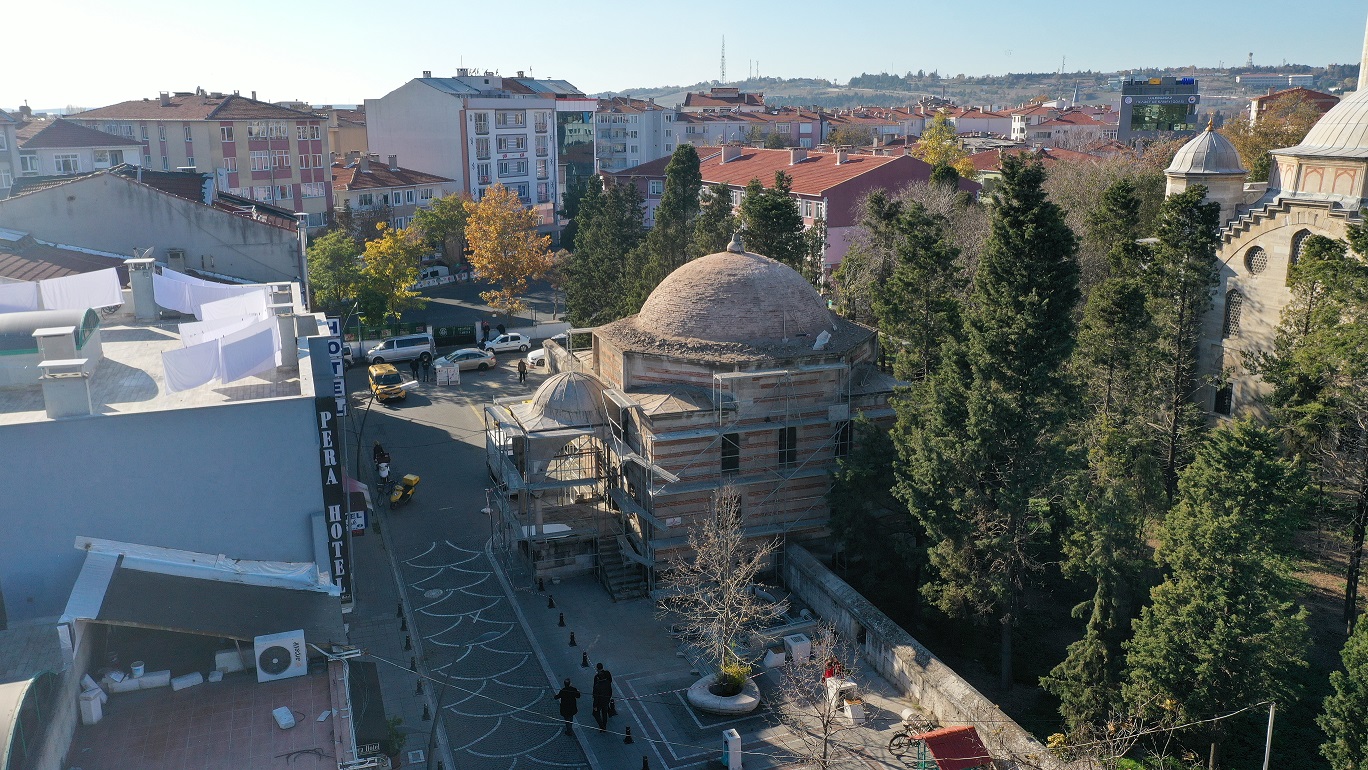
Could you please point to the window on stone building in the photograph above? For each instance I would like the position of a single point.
(845, 439)
(1233, 305)
(731, 452)
(1225, 398)
(1256, 260)
(788, 446)
(1298, 245)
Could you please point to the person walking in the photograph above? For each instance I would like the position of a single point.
(427, 370)
(569, 705)
(522, 370)
(603, 696)
(413, 367)
(484, 327)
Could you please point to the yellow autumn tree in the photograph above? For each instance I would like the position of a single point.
(939, 146)
(505, 246)
(389, 267)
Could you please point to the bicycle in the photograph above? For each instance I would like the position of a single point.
(913, 724)
(110, 311)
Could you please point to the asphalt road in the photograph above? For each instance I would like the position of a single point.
(460, 303)
(497, 710)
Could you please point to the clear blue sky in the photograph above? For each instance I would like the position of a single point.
(90, 53)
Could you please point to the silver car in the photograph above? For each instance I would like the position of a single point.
(466, 359)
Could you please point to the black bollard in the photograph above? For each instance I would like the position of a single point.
(572, 639)
(427, 715)
(644, 764)
(419, 689)
(408, 642)
(541, 586)
(403, 623)
(584, 660)
(550, 602)
(413, 664)
(399, 609)
(628, 739)
(561, 622)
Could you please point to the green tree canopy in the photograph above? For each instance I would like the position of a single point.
(390, 267)
(442, 224)
(771, 221)
(333, 268)
(1343, 717)
(609, 228)
(666, 245)
(716, 222)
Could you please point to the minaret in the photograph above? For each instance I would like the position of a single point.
(1363, 71)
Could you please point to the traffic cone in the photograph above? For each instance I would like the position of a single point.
(584, 660)
(561, 622)
(572, 639)
(628, 739)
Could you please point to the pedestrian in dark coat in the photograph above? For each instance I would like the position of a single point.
(413, 367)
(522, 370)
(569, 705)
(603, 696)
(484, 327)
(427, 371)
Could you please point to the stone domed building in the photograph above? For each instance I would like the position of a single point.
(1314, 188)
(734, 374)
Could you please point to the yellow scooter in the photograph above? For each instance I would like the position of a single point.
(403, 491)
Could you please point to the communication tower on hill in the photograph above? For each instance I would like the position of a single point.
(722, 71)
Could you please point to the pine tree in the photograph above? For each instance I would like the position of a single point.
(609, 228)
(771, 221)
(716, 222)
(980, 439)
(1222, 630)
(917, 307)
(666, 246)
(1344, 717)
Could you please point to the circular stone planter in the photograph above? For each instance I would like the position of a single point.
(744, 702)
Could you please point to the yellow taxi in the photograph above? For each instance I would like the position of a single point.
(386, 382)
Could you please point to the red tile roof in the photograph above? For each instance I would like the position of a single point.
(715, 100)
(350, 177)
(956, 748)
(1071, 119)
(991, 160)
(63, 134)
(29, 260)
(626, 104)
(195, 107)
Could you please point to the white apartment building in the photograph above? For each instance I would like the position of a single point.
(629, 132)
(477, 130)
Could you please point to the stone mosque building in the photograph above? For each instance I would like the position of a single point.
(733, 379)
(1314, 188)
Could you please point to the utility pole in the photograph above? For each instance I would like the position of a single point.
(1268, 739)
(722, 71)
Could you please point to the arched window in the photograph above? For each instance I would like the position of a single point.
(1233, 305)
(1256, 260)
(1298, 243)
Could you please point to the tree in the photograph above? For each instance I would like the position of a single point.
(574, 194)
(814, 714)
(363, 225)
(979, 440)
(776, 141)
(505, 246)
(442, 224)
(939, 146)
(716, 222)
(1284, 124)
(609, 228)
(1342, 717)
(771, 221)
(1086, 190)
(1319, 376)
(713, 591)
(1179, 282)
(666, 246)
(850, 136)
(333, 269)
(389, 268)
(1222, 630)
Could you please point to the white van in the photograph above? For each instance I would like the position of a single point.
(433, 271)
(404, 348)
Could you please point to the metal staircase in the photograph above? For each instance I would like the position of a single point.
(622, 578)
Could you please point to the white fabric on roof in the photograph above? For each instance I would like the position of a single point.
(249, 351)
(81, 291)
(245, 300)
(171, 294)
(195, 332)
(191, 367)
(183, 278)
(18, 296)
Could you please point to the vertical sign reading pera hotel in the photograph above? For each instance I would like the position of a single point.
(330, 463)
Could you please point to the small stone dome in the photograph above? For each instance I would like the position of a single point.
(569, 398)
(735, 297)
(1206, 153)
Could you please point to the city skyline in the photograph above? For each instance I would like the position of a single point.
(340, 54)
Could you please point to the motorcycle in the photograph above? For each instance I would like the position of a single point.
(403, 491)
(382, 472)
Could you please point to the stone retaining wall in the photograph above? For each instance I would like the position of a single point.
(910, 666)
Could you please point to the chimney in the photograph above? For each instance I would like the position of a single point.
(363, 164)
(254, 96)
(165, 99)
(394, 163)
(351, 157)
(840, 157)
(462, 72)
(427, 73)
(730, 152)
(797, 155)
(520, 73)
(65, 377)
(140, 280)
(25, 111)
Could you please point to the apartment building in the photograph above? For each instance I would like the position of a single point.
(366, 184)
(256, 149)
(346, 128)
(477, 129)
(9, 157)
(57, 147)
(723, 99)
(629, 132)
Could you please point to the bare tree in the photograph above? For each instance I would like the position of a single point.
(814, 710)
(713, 591)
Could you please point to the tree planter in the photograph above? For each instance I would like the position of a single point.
(701, 697)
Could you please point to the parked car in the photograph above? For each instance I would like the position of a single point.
(404, 348)
(537, 357)
(386, 382)
(506, 342)
(466, 359)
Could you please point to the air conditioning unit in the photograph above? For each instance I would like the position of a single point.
(280, 656)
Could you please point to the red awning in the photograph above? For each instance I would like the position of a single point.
(956, 748)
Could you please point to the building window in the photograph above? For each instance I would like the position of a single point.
(144, 132)
(1256, 260)
(312, 190)
(511, 143)
(166, 164)
(261, 160)
(807, 209)
(6, 179)
(655, 187)
(1298, 245)
(669, 148)
(521, 190)
(66, 163)
(543, 192)
(512, 168)
(426, 194)
(229, 163)
(161, 132)
(408, 196)
(788, 446)
(147, 160)
(398, 223)
(482, 148)
(28, 165)
(845, 439)
(282, 193)
(543, 169)
(365, 200)
(282, 158)
(541, 122)
(482, 172)
(187, 134)
(1225, 399)
(261, 193)
(482, 122)
(510, 119)
(226, 132)
(543, 146)
(1234, 304)
(4, 143)
(731, 452)
(317, 219)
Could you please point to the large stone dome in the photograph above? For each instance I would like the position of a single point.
(1206, 153)
(1340, 133)
(735, 297)
(567, 399)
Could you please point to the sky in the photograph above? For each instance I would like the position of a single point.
(341, 52)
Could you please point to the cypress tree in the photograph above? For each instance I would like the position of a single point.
(609, 227)
(666, 246)
(716, 222)
(771, 221)
(1343, 717)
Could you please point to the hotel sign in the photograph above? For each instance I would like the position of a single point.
(334, 494)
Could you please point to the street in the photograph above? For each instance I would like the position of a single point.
(460, 303)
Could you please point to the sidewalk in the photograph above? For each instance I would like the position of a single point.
(373, 626)
(650, 675)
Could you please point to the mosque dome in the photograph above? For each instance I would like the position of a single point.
(735, 297)
(1340, 133)
(569, 399)
(1206, 153)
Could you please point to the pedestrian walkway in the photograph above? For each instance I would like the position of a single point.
(650, 677)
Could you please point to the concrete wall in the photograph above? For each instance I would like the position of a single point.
(111, 213)
(237, 479)
(422, 126)
(911, 667)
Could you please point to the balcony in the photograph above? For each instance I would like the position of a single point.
(541, 128)
(485, 179)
